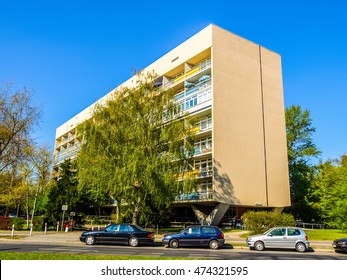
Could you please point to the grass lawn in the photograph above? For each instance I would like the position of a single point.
(325, 234)
(48, 256)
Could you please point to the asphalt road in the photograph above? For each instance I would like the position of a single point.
(226, 253)
(69, 243)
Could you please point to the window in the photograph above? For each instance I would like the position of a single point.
(113, 228)
(205, 123)
(207, 230)
(278, 232)
(193, 230)
(292, 232)
(204, 167)
(125, 228)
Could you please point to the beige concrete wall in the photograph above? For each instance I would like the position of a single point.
(275, 134)
(239, 150)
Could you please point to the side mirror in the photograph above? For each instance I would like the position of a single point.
(185, 233)
(270, 234)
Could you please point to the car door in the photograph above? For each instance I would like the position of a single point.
(191, 236)
(109, 234)
(207, 233)
(293, 236)
(276, 238)
(124, 233)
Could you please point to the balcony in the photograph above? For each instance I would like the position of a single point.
(196, 196)
(201, 96)
(200, 150)
(202, 66)
(197, 174)
(66, 154)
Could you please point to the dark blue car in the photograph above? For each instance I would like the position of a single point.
(209, 236)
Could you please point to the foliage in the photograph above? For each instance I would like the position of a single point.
(17, 118)
(5, 223)
(64, 191)
(329, 188)
(301, 150)
(18, 222)
(260, 221)
(134, 146)
(38, 223)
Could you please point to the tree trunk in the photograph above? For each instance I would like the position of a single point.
(135, 218)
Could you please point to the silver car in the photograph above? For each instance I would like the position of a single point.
(280, 237)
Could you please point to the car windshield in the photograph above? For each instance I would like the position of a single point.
(268, 231)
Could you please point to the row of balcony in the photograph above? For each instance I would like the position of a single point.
(195, 70)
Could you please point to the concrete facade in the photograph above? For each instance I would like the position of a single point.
(234, 87)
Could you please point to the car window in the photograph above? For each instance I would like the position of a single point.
(124, 228)
(293, 231)
(207, 230)
(193, 230)
(113, 228)
(278, 232)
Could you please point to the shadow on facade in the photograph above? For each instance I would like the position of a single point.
(224, 189)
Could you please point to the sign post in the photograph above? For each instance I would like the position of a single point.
(72, 214)
(64, 208)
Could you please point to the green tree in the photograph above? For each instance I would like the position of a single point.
(330, 192)
(301, 150)
(65, 192)
(134, 146)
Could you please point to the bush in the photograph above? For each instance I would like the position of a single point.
(5, 223)
(258, 222)
(18, 222)
(39, 223)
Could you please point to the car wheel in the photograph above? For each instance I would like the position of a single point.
(90, 240)
(174, 243)
(300, 247)
(214, 245)
(259, 246)
(133, 241)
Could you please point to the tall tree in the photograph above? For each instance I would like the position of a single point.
(301, 149)
(64, 192)
(134, 146)
(18, 118)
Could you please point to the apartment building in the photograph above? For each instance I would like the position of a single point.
(234, 87)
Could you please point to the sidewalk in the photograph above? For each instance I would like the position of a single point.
(72, 237)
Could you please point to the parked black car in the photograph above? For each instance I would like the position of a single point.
(340, 245)
(126, 234)
(209, 236)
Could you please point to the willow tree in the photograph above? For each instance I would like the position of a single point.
(134, 146)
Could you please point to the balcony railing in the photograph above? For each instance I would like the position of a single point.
(194, 196)
(68, 153)
(194, 174)
(199, 150)
(198, 98)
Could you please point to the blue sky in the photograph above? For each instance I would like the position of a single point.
(71, 53)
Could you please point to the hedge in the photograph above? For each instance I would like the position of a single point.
(260, 221)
